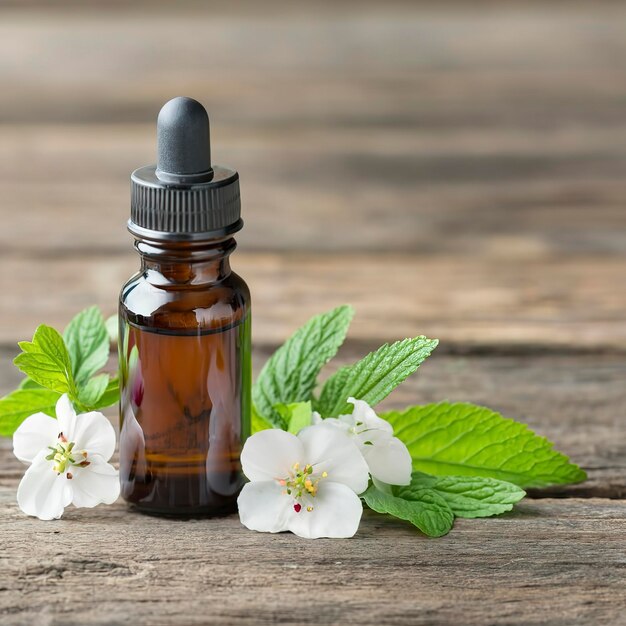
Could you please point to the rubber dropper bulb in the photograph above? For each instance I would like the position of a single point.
(183, 142)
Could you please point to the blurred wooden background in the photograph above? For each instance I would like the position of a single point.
(451, 169)
(459, 171)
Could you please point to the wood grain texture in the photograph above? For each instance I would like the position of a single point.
(489, 299)
(402, 126)
(452, 170)
(111, 566)
(348, 65)
(508, 190)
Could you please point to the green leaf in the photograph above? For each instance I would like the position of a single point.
(463, 439)
(297, 415)
(112, 326)
(93, 390)
(374, 377)
(46, 361)
(468, 496)
(87, 342)
(257, 422)
(22, 403)
(290, 374)
(110, 396)
(27, 383)
(424, 508)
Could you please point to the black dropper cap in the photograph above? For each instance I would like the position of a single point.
(183, 197)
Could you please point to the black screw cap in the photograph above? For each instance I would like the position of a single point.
(183, 197)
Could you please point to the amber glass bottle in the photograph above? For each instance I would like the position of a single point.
(184, 330)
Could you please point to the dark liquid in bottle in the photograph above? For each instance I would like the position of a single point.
(184, 408)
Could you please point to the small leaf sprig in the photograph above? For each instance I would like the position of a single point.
(468, 461)
(55, 364)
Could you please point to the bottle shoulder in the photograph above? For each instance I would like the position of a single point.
(149, 302)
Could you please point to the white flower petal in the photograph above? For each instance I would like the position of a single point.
(389, 461)
(337, 423)
(336, 513)
(264, 507)
(370, 437)
(270, 454)
(365, 414)
(94, 433)
(316, 418)
(42, 492)
(347, 421)
(384, 487)
(98, 483)
(66, 416)
(33, 435)
(331, 451)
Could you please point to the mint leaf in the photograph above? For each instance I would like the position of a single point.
(87, 342)
(110, 396)
(27, 383)
(468, 496)
(424, 509)
(22, 403)
(297, 415)
(257, 422)
(374, 377)
(54, 365)
(463, 439)
(46, 361)
(93, 390)
(290, 374)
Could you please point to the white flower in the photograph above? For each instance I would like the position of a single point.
(388, 459)
(307, 484)
(68, 458)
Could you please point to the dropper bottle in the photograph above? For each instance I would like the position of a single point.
(184, 348)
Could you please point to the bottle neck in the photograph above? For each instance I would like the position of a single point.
(185, 263)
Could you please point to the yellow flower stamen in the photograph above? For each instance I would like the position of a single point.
(301, 484)
(63, 456)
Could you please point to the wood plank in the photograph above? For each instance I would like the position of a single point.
(382, 129)
(111, 68)
(515, 192)
(457, 173)
(486, 299)
(576, 400)
(114, 563)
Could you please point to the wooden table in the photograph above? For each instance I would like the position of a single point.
(457, 171)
